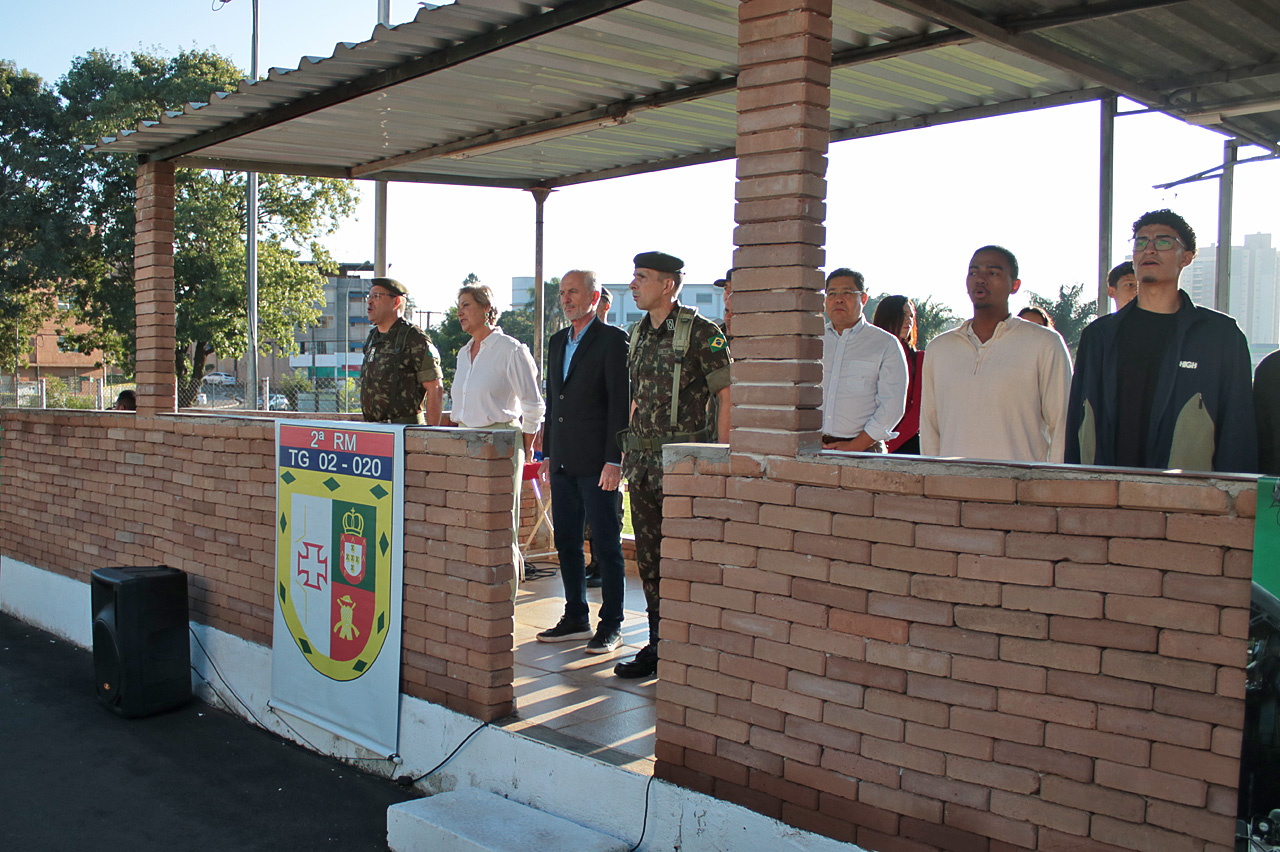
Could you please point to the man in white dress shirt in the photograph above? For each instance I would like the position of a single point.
(864, 373)
(997, 386)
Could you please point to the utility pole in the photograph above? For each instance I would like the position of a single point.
(380, 186)
(251, 250)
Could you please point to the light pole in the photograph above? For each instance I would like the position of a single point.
(380, 187)
(251, 241)
(251, 249)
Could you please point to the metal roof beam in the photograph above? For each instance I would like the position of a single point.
(1231, 128)
(1227, 75)
(950, 14)
(641, 168)
(954, 116)
(1235, 106)
(1082, 14)
(190, 161)
(842, 59)
(534, 26)
(866, 130)
(1013, 24)
(953, 15)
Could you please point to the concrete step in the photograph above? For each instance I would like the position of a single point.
(475, 821)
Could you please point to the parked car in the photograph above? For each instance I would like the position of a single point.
(278, 402)
(219, 379)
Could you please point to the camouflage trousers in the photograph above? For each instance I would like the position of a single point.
(646, 521)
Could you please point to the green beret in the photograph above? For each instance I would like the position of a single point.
(391, 285)
(660, 261)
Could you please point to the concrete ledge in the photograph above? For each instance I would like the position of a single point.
(472, 820)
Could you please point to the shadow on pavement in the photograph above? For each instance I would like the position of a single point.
(73, 776)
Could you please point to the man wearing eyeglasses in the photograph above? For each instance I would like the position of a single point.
(996, 387)
(864, 373)
(401, 370)
(1163, 383)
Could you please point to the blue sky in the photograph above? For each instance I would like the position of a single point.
(906, 209)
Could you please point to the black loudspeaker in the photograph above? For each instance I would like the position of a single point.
(141, 654)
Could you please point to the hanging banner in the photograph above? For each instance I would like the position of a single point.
(335, 658)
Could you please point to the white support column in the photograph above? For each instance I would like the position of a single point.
(1106, 196)
(1226, 196)
(539, 309)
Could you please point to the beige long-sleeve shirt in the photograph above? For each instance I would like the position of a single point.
(1005, 399)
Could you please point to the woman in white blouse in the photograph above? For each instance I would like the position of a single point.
(495, 386)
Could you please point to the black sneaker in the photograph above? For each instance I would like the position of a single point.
(566, 631)
(606, 640)
(594, 580)
(643, 665)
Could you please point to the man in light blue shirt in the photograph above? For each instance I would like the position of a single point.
(864, 373)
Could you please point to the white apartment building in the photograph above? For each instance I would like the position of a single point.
(706, 297)
(1255, 288)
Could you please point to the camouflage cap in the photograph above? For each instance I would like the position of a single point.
(659, 261)
(391, 285)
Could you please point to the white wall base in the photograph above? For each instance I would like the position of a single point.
(52, 602)
(580, 789)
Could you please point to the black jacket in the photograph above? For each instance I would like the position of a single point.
(1202, 413)
(587, 408)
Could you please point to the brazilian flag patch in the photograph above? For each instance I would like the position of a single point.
(717, 343)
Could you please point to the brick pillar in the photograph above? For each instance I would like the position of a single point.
(153, 289)
(784, 97)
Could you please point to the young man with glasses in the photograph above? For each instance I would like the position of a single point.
(401, 370)
(864, 373)
(996, 387)
(1163, 383)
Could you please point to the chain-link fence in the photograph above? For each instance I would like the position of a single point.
(59, 392)
(223, 391)
(217, 392)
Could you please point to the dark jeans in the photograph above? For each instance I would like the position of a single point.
(591, 537)
(575, 500)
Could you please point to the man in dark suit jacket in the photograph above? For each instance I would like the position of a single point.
(587, 405)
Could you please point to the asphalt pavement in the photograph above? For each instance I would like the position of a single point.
(74, 776)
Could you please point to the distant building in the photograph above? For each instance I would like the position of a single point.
(1255, 287)
(49, 357)
(334, 347)
(707, 298)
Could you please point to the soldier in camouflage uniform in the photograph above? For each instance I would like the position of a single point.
(656, 362)
(401, 369)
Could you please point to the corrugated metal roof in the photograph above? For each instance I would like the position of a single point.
(607, 87)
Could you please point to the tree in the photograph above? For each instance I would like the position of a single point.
(449, 337)
(519, 322)
(39, 233)
(1069, 312)
(103, 93)
(933, 318)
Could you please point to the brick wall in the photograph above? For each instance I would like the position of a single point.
(80, 491)
(784, 57)
(920, 656)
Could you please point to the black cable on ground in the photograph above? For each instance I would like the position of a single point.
(246, 707)
(644, 821)
(409, 780)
